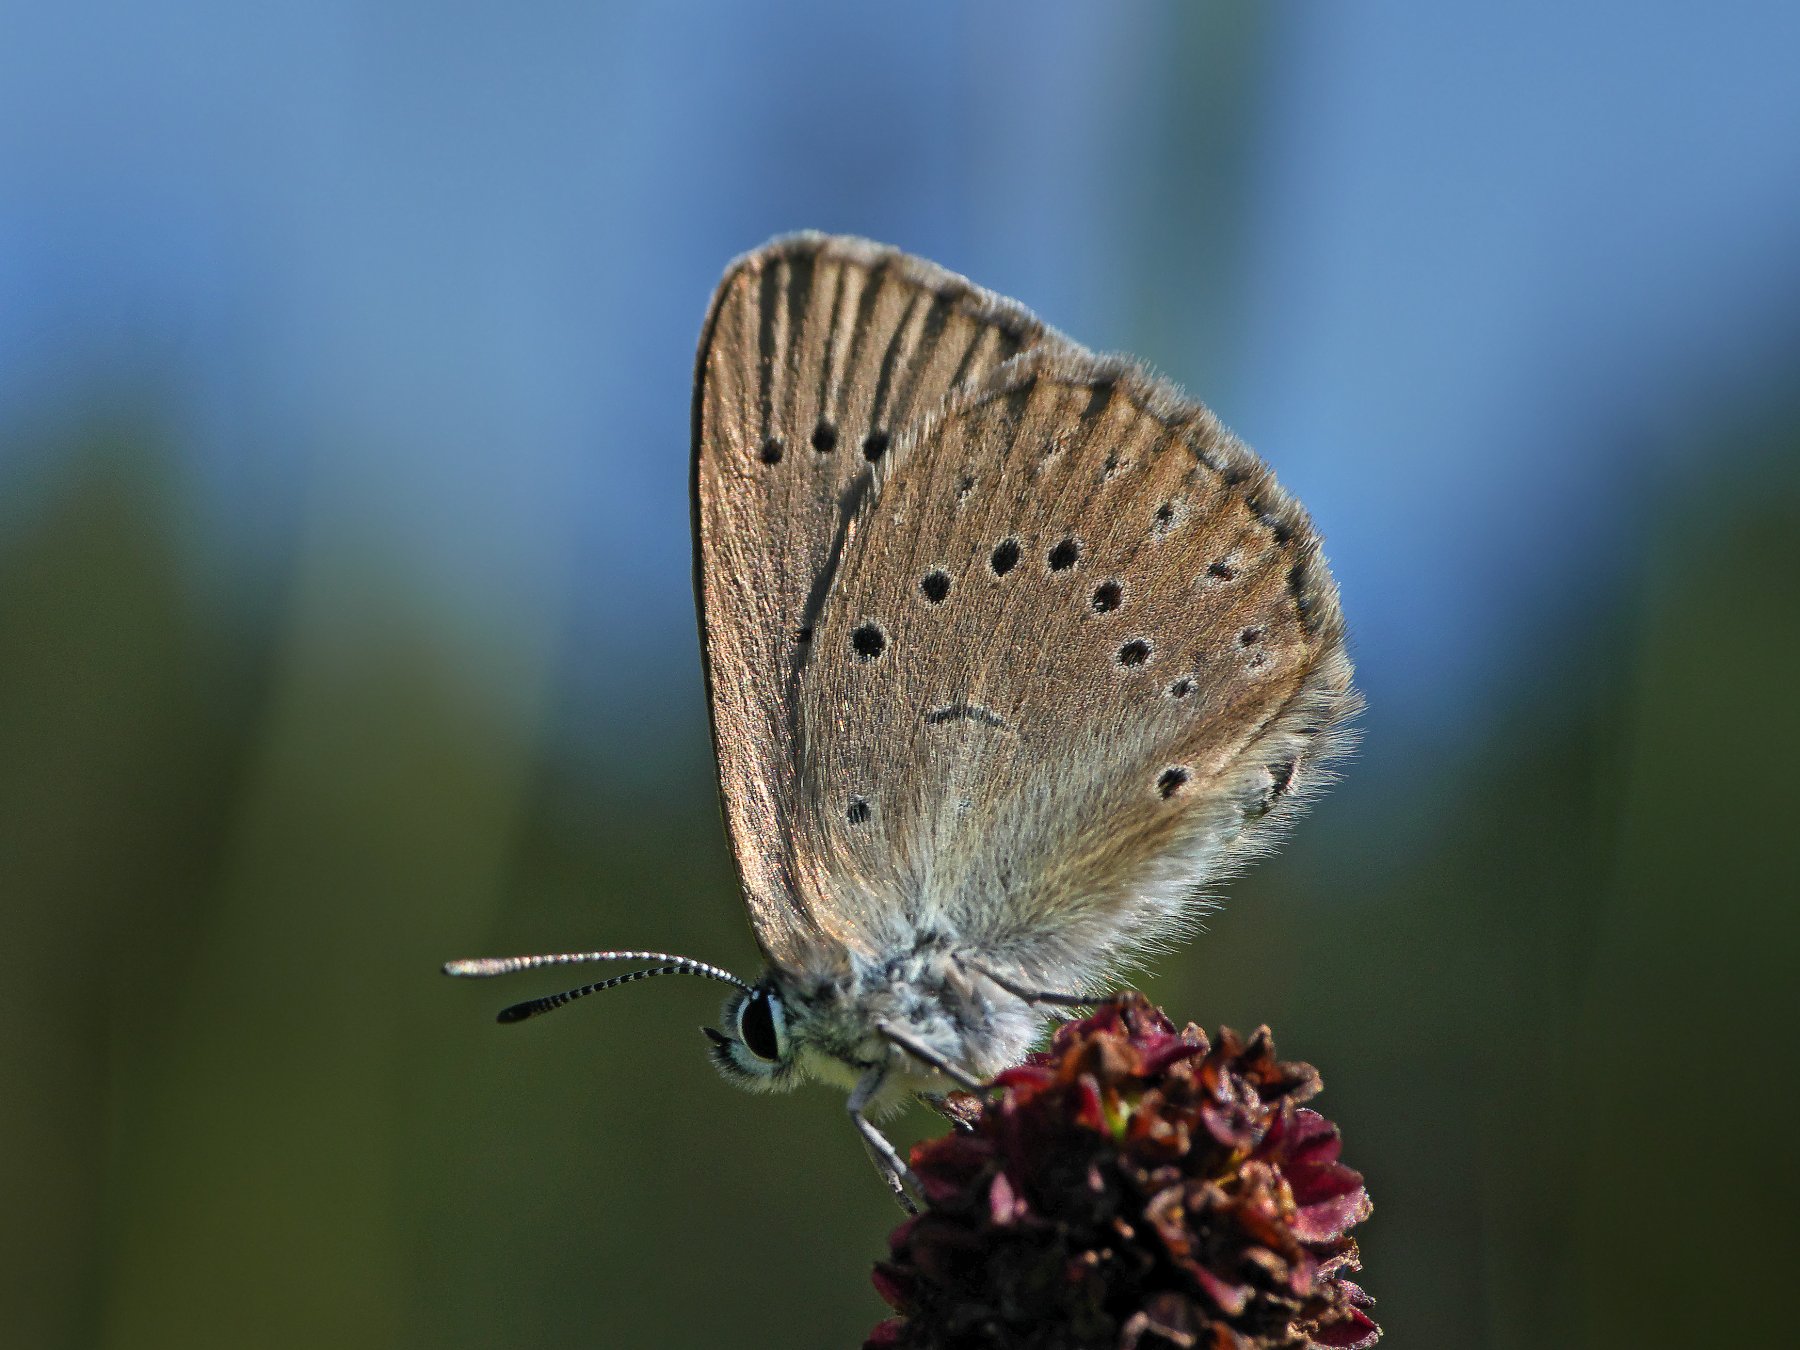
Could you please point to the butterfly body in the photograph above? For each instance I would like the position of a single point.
(1011, 651)
(840, 1021)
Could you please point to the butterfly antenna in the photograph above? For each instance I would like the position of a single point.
(482, 966)
(506, 965)
(534, 1007)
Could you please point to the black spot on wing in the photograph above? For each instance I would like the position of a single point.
(1134, 653)
(868, 641)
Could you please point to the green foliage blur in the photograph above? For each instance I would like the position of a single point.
(1550, 992)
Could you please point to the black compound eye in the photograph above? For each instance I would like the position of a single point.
(756, 1025)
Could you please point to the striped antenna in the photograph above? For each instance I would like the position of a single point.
(482, 966)
(506, 965)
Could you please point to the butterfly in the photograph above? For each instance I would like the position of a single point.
(1011, 650)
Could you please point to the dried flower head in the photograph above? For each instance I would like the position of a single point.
(1134, 1187)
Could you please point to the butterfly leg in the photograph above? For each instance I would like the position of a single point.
(1033, 996)
(894, 1184)
(882, 1152)
(958, 1110)
(926, 1055)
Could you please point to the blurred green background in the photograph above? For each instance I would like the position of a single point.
(344, 628)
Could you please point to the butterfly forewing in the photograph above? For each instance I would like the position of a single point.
(1078, 644)
(818, 355)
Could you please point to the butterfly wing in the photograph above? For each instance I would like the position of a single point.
(1080, 649)
(817, 354)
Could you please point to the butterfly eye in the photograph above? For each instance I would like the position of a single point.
(760, 1024)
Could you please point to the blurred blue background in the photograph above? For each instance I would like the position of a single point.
(346, 625)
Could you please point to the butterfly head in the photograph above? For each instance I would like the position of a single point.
(757, 1051)
(759, 1048)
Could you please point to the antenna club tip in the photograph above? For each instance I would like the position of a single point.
(518, 1012)
(470, 967)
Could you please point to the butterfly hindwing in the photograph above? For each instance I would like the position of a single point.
(1079, 646)
(817, 356)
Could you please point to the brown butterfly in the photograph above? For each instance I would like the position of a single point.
(1011, 649)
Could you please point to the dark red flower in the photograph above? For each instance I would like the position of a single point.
(1134, 1187)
